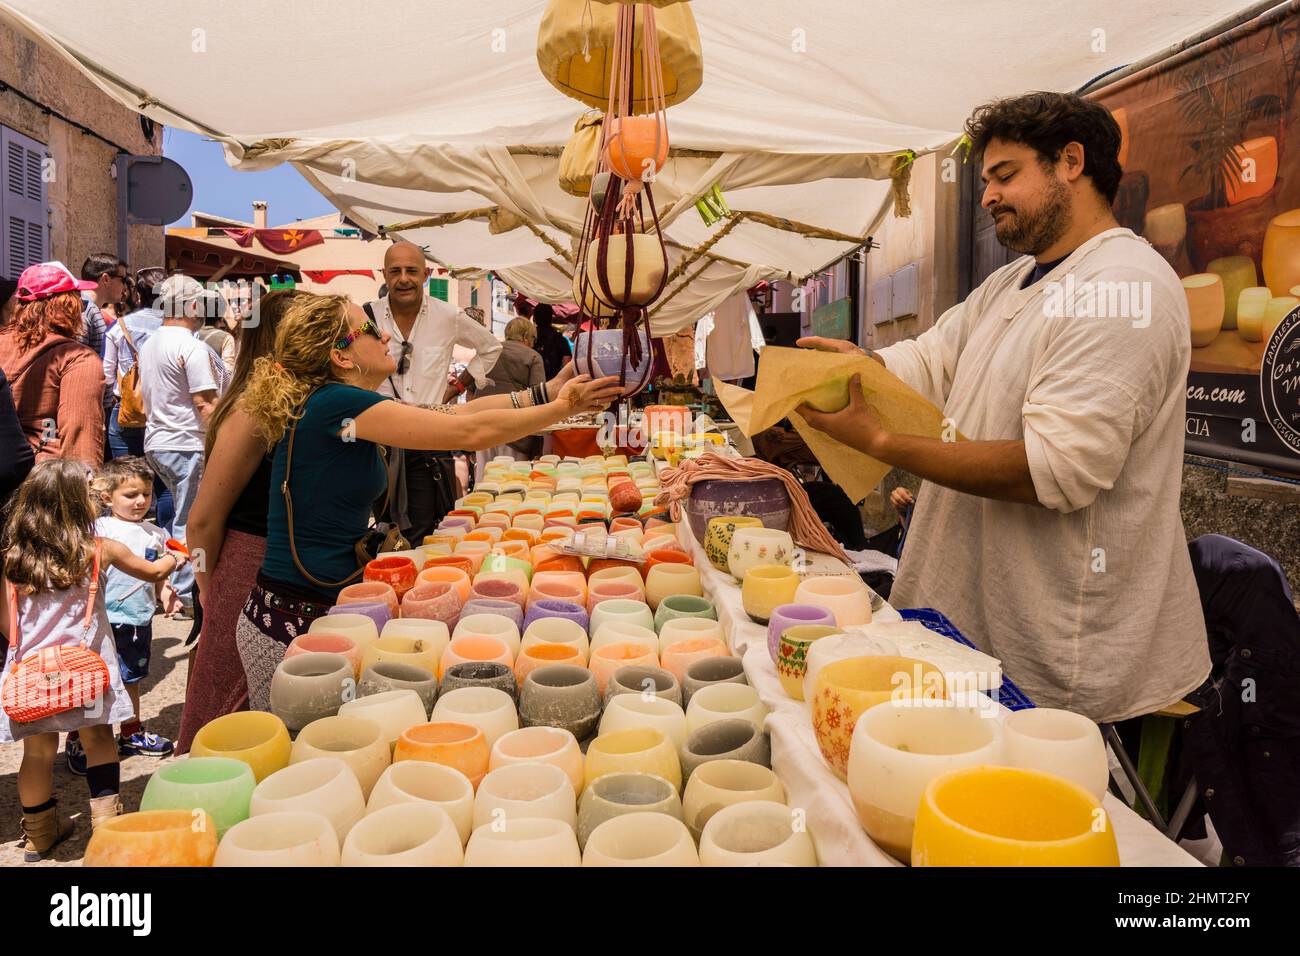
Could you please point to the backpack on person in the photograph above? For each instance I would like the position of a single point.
(130, 413)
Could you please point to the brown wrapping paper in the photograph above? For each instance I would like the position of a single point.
(786, 378)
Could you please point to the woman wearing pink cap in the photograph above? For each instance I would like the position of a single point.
(57, 383)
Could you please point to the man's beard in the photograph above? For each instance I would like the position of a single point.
(1032, 233)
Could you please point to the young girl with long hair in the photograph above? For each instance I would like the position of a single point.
(50, 558)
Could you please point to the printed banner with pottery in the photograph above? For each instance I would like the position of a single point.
(1210, 148)
(789, 377)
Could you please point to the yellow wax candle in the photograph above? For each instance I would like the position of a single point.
(1250, 313)
(1205, 304)
(1237, 272)
(1277, 309)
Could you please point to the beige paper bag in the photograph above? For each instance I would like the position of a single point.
(786, 378)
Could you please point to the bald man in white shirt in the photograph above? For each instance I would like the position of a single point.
(1053, 537)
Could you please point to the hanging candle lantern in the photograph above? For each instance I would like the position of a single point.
(622, 263)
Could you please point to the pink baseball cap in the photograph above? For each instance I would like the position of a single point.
(49, 278)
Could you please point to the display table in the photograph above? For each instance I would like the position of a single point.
(810, 784)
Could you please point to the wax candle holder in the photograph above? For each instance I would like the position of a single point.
(257, 738)
(480, 674)
(846, 689)
(358, 628)
(683, 605)
(433, 602)
(898, 748)
(726, 739)
(393, 711)
(845, 597)
(756, 833)
(513, 576)
(644, 680)
(431, 631)
(688, 629)
(219, 786)
(620, 571)
(627, 612)
(322, 642)
(446, 574)
(753, 546)
(656, 556)
(475, 649)
(379, 612)
(560, 585)
(765, 588)
(528, 842)
(542, 655)
(722, 783)
(525, 790)
(397, 572)
(422, 652)
(839, 647)
(358, 742)
(457, 561)
(621, 794)
(637, 750)
(1009, 816)
(493, 590)
(792, 615)
(548, 745)
(615, 590)
(491, 710)
(725, 701)
(450, 743)
(507, 609)
(308, 687)
(666, 580)
(369, 592)
(629, 711)
(609, 658)
(383, 676)
(640, 839)
(289, 839)
(681, 654)
(557, 630)
(792, 654)
(324, 785)
(548, 608)
(712, 670)
(563, 696)
(405, 834)
(489, 625)
(1059, 742)
(419, 781)
(620, 632)
(153, 838)
(717, 538)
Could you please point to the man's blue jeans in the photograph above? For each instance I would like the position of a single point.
(181, 472)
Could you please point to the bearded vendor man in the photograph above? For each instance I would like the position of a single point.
(1052, 538)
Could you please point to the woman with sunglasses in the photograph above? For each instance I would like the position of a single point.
(314, 398)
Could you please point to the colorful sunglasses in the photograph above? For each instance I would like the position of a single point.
(367, 326)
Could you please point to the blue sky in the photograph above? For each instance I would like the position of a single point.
(222, 191)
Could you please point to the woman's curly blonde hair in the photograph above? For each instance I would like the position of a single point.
(299, 364)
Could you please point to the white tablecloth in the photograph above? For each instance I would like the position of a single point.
(810, 783)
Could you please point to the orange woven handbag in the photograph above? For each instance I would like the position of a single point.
(55, 679)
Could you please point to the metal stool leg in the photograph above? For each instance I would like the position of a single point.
(1183, 811)
(1130, 770)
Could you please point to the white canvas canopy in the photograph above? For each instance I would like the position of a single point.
(407, 111)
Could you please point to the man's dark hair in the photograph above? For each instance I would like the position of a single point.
(97, 263)
(543, 316)
(147, 281)
(1046, 122)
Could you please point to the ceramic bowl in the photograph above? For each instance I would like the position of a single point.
(561, 695)
(413, 781)
(620, 794)
(721, 783)
(711, 670)
(640, 839)
(356, 741)
(756, 833)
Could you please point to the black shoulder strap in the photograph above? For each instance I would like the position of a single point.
(370, 312)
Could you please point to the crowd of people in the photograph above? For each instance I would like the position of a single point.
(160, 443)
